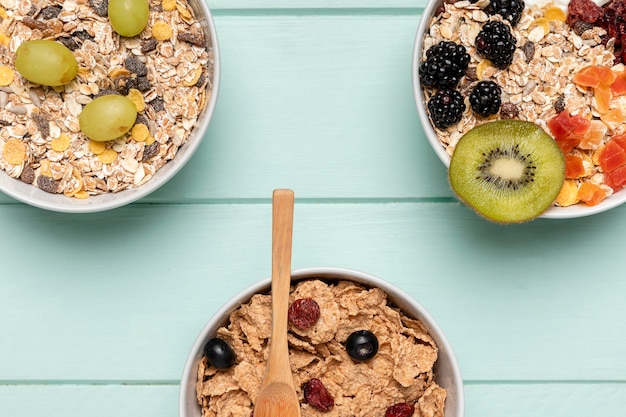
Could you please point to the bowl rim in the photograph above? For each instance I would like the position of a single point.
(33, 196)
(412, 307)
(575, 211)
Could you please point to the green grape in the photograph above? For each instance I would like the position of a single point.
(107, 117)
(46, 62)
(128, 17)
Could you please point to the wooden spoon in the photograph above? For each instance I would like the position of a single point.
(277, 397)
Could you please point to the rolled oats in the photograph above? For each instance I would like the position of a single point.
(165, 70)
(401, 371)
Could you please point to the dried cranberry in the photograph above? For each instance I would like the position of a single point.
(317, 396)
(303, 313)
(400, 410)
(585, 10)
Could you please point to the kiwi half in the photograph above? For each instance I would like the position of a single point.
(509, 171)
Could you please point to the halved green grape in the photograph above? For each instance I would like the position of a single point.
(107, 117)
(46, 62)
(128, 17)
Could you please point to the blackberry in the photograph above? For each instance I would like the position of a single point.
(446, 108)
(496, 43)
(485, 98)
(510, 10)
(444, 66)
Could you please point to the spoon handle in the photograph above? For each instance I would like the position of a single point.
(282, 231)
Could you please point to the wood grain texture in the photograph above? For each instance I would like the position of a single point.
(116, 293)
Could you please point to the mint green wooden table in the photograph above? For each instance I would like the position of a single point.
(99, 311)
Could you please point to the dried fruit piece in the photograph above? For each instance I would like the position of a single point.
(574, 166)
(612, 156)
(219, 353)
(555, 13)
(568, 130)
(568, 195)
(303, 313)
(616, 179)
(590, 193)
(27, 175)
(317, 396)
(14, 151)
(362, 345)
(400, 410)
(48, 184)
(594, 136)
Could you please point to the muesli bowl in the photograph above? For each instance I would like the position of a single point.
(446, 369)
(178, 89)
(444, 150)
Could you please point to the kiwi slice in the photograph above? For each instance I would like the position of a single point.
(509, 171)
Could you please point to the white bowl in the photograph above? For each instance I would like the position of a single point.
(33, 196)
(578, 210)
(447, 371)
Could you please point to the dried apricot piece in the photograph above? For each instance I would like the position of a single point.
(590, 193)
(616, 179)
(618, 87)
(594, 136)
(574, 166)
(602, 98)
(14, 151)
(586, 77)
(612, 156)
(568, 195)
(614, 117)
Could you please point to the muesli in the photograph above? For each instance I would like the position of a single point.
(397, 377)
(542, 85)
(167, 70)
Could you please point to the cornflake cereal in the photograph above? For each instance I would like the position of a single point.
(538, 85)
(39, 130)
(400, 373)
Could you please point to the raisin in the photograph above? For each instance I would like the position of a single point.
(27, 175)
(157, 104)
(580, 27)
(82, 35)
(200, 81)
(68, 42)
(135, 66)
(317, 396)
(43, 124)
(191, 38)
(303, 313)
(529, 51)
(400, 410)
(48, 184)
(559, 104)
(34, 24)
(50, 12)
(509, 111)
(105, 92)
(101, 7)
(471, 75)
(151, 151)
(149, 45)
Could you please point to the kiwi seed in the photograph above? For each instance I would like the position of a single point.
(509, 171)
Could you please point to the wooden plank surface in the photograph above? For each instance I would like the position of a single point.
(113, 294)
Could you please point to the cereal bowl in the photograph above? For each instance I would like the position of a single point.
(171, 71)
(442, 140)
(446, 370)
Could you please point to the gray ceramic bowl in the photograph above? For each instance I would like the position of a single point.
(448, 374)
(578, 210)
(58, 202)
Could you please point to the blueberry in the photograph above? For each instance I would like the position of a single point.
(219, 353)
(362, 345)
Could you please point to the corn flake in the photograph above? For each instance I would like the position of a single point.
(4, 39)
(14, 151)
(136, 97)
(61, 143)
(3, 13)
(161, 31)
(195, 76)
(184, 13)
(168, 5)
(7, 75)
(107, 156)
(82, 194)
(150, 140)
(96, 147)
(44, 168)
(140, 132)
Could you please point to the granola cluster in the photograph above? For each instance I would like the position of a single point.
(537, 86)
(400, 374)
(167, 71)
